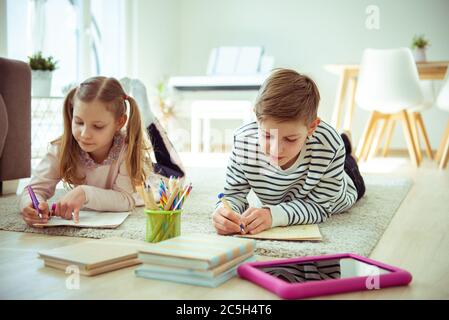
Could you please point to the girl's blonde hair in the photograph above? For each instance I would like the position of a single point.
(110, 92)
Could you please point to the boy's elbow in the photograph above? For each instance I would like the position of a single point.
(323, 217)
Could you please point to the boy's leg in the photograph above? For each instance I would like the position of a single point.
(346, 136)
(351, 167)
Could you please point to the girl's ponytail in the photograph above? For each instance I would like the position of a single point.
(138, 145)
(69, 149)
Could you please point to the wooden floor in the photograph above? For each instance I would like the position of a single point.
(416, 240)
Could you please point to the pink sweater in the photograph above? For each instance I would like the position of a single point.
(108, 186)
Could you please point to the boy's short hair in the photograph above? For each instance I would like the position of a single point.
(288, 95)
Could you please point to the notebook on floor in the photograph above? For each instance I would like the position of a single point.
(208, 273)
(197, 251)
(92, 257)
(92, 272)
(188, 279)
(90, 219)
(310, 232)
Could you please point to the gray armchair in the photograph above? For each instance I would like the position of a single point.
(15, 120)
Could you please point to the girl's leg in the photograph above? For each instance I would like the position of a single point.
(164, 164)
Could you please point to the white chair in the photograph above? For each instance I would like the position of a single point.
(416, 124)
(388, 86)
(442, 155)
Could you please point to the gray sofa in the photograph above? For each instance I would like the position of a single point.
(15, 120)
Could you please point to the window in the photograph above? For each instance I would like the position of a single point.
(86, 37)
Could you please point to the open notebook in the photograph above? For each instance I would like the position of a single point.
(90, 219)
(309, 232)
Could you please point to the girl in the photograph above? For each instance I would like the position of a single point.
(99, 161)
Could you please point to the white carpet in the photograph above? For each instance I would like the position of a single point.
(357, 230)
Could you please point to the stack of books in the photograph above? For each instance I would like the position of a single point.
(204, 260)
(92, 257)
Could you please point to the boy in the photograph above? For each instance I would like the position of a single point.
(299, 167)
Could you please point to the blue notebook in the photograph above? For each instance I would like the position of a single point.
(196, 251)
(188, 279)
(209, 274)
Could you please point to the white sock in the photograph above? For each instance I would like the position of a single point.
(138, 91)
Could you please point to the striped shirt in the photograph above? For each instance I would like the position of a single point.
(310, 191)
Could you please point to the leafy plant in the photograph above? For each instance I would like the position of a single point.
(39, 62)
(165, 103)
(420, 42)
(160, 88)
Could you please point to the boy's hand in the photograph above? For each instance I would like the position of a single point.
(31, 216)
(73, 201)
(256, 220)
(226, 221)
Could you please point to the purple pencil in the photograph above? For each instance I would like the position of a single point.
(34, 200)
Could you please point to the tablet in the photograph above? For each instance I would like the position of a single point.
(303, 277)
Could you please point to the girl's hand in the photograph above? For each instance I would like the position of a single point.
(226, 221)
(256, 220)
(73, 201)
(31, 216)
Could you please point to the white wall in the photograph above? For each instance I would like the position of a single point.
(154, 28)
(304, 35)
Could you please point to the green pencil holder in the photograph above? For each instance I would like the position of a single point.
(162, 225)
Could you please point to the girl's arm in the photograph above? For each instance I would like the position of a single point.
(119, 198)
(45, 178)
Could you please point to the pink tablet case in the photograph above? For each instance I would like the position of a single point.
(287, 290)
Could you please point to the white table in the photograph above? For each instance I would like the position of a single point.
(46, 123)
(203, 111)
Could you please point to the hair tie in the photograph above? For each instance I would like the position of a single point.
(125, 97)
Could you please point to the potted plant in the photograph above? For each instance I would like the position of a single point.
(165, 104)
(42, 71)
(419, 46)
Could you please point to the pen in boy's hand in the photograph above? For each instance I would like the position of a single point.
(242, 228)
(227, 206)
